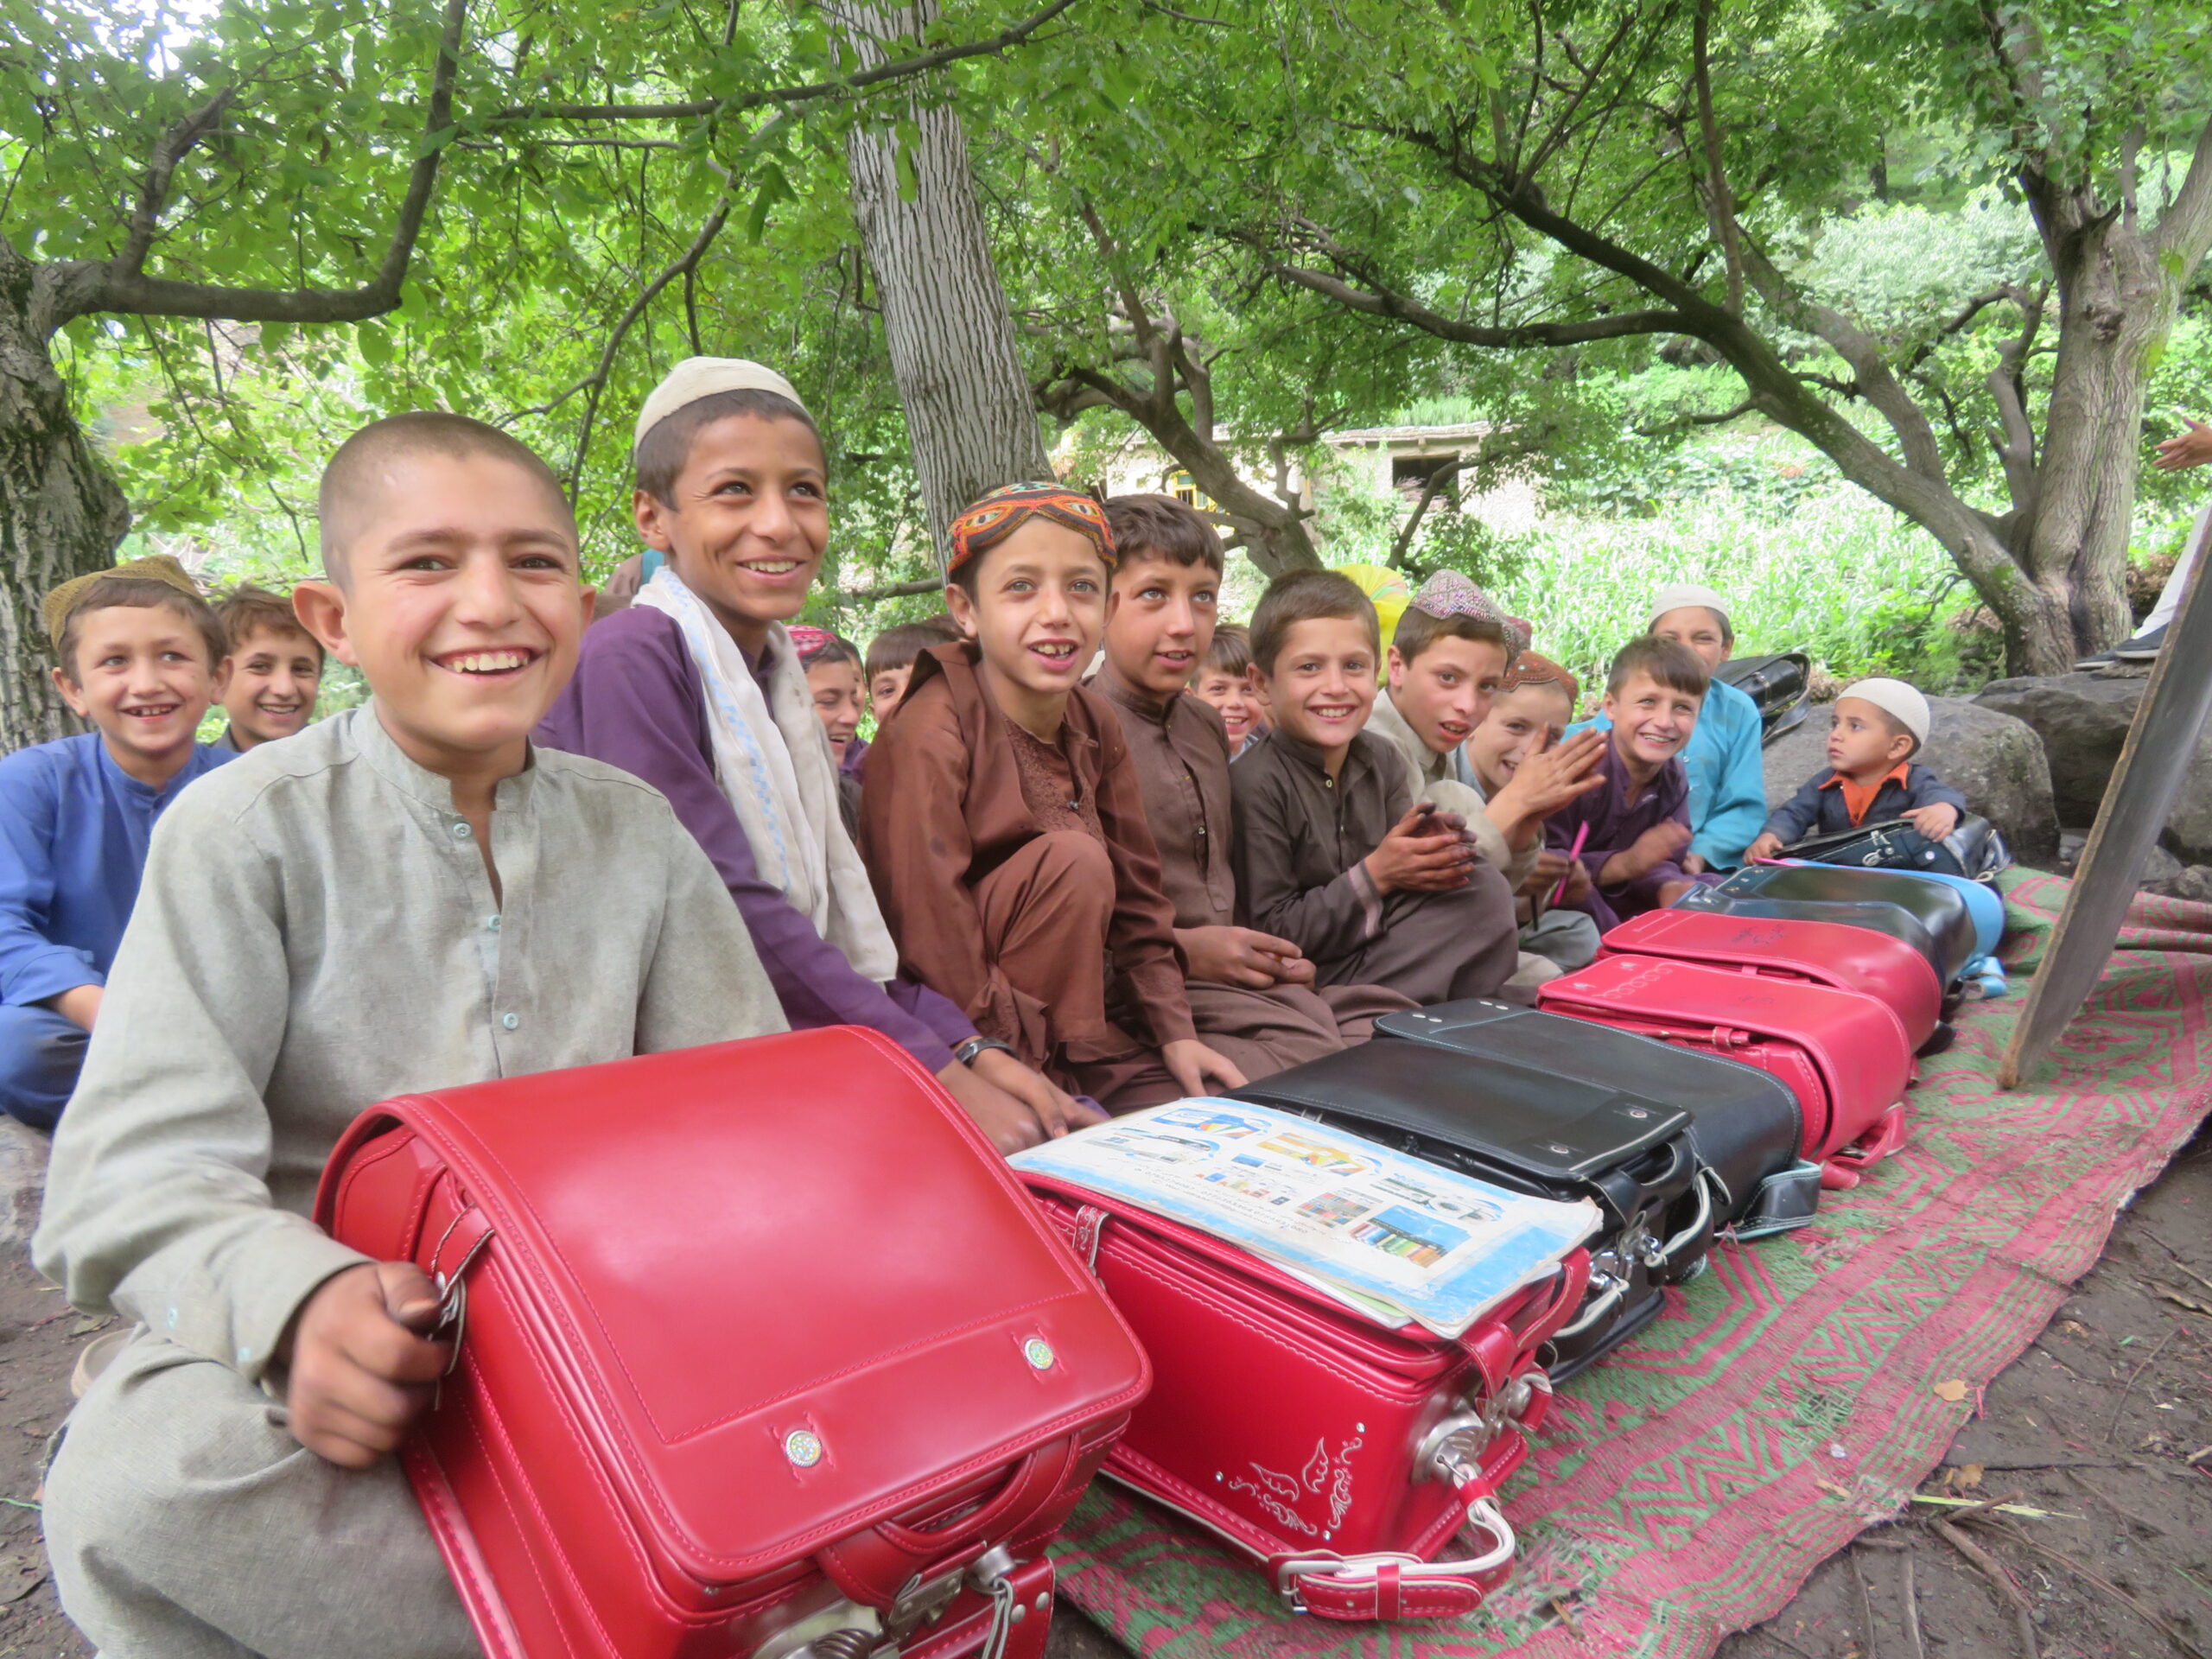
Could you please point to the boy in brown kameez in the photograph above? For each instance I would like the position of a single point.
(1332, 852)
(1003, 825)
(1251, 994)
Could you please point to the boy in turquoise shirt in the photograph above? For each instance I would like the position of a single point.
(1727, 777)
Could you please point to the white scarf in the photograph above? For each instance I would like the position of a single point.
(774, 763)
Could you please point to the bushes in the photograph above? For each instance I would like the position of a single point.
(1858, 589)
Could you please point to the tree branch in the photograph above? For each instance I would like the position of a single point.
(1666, 427)
(1437, 480)
(2185, 228)
(77, 287)
(1382, 302)
(186, 131)
(843, 86)
(896, 590)
(2016, 445)
(1720, 205)
(1877, 383)
(595, 384)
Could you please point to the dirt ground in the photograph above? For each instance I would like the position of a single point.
(2095, 1425)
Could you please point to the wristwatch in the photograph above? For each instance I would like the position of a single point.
(967, 1052)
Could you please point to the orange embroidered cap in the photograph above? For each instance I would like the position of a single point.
(1004, 511)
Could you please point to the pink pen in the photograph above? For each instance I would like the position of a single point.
(1582, 835)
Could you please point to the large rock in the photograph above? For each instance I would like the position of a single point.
(23, 1182)
(1994, 761)
(2083, 720)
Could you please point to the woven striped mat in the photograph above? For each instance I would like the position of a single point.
(1688, 1485)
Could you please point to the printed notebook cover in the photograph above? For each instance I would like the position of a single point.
(1398, 1238)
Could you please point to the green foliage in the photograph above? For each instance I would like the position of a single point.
(1840, 577)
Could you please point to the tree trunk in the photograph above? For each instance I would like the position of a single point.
(969, 417)
(60, 513)
(2117, 307)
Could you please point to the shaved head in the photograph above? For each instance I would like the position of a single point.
(359, 475)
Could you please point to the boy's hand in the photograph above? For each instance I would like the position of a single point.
(1057, 1110)
(1553, 867)
(357, 1369)
(1420, 857)
(80, 1005)
(1662, 842)
(1933, 822)
(1009, 1121)
(1693, 864)
(1190, 1062)
(1238, 955)
(1769, 845)
(1670, 891)
(1549, 779)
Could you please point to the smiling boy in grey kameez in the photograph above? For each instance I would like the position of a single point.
(391, 900)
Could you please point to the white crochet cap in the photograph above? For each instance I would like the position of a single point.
(1897, 700)
(1676, 595)
(702, 377)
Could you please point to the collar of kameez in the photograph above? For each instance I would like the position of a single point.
(1897, 774)
(394, 765)
(1001, 512)
(1137, 699)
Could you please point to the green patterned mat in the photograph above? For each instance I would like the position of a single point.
(1691, 1483)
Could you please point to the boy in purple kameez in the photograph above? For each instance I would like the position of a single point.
(1632, 834)
(732, 488)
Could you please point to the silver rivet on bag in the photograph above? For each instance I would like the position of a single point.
(1039, 1353)
(803, 1449)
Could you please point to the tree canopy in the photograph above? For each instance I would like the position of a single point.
(1944, 241)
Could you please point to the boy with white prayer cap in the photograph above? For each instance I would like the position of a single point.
(698, 689)
(1878, 726)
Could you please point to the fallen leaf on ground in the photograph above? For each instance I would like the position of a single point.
(2179, 1299)
(2001, 1509)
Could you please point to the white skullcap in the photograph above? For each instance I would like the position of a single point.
(1897, 700)
(1676, 595)
(702, 377)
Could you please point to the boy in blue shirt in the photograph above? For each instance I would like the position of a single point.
(137, 648)
(1727, 778)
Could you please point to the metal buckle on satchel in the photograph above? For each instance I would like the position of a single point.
(452, 1323)
(921, 1601)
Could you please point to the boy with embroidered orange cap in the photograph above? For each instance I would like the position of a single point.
(1878, 726)
(698, 689)
(386, 902)
(1004, 823)
(135, 649)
